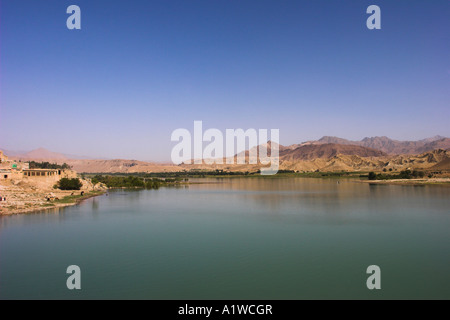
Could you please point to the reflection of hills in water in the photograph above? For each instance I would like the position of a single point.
(316, 201)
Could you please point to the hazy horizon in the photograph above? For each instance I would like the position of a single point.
(100, 157)
(138, 70)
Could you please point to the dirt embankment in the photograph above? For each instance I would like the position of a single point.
(25, 197)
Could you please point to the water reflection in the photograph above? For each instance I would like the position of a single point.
(235, 238)
(293, 200)
(303, 200)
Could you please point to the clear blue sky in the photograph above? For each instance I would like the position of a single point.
(137, 70)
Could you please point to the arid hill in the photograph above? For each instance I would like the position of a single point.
(388, 145)
(326, 151)
(330, 159)
(42, 153)
(442, 165)
(434, 160)
(118, 165)
(318, 151)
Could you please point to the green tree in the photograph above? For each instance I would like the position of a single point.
(69, 184)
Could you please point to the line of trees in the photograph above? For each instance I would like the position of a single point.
(195, 173)
(48, 165)
(406, 174)
(134, 181)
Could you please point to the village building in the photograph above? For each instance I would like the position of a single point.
(18, 170)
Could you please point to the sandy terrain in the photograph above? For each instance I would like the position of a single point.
(28, 197)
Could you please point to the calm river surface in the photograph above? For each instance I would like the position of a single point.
(253, 238)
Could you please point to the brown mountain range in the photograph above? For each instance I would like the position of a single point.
(326, 151)
(339, 157)
(325, 154)
(388, 145)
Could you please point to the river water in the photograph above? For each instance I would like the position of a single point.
(235, 238)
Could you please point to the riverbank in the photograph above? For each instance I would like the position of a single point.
(411, 182)
(353, 176)
(20, 200)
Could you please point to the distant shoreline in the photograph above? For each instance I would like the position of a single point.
(338, 175)
(411, 182)
(357, 176)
